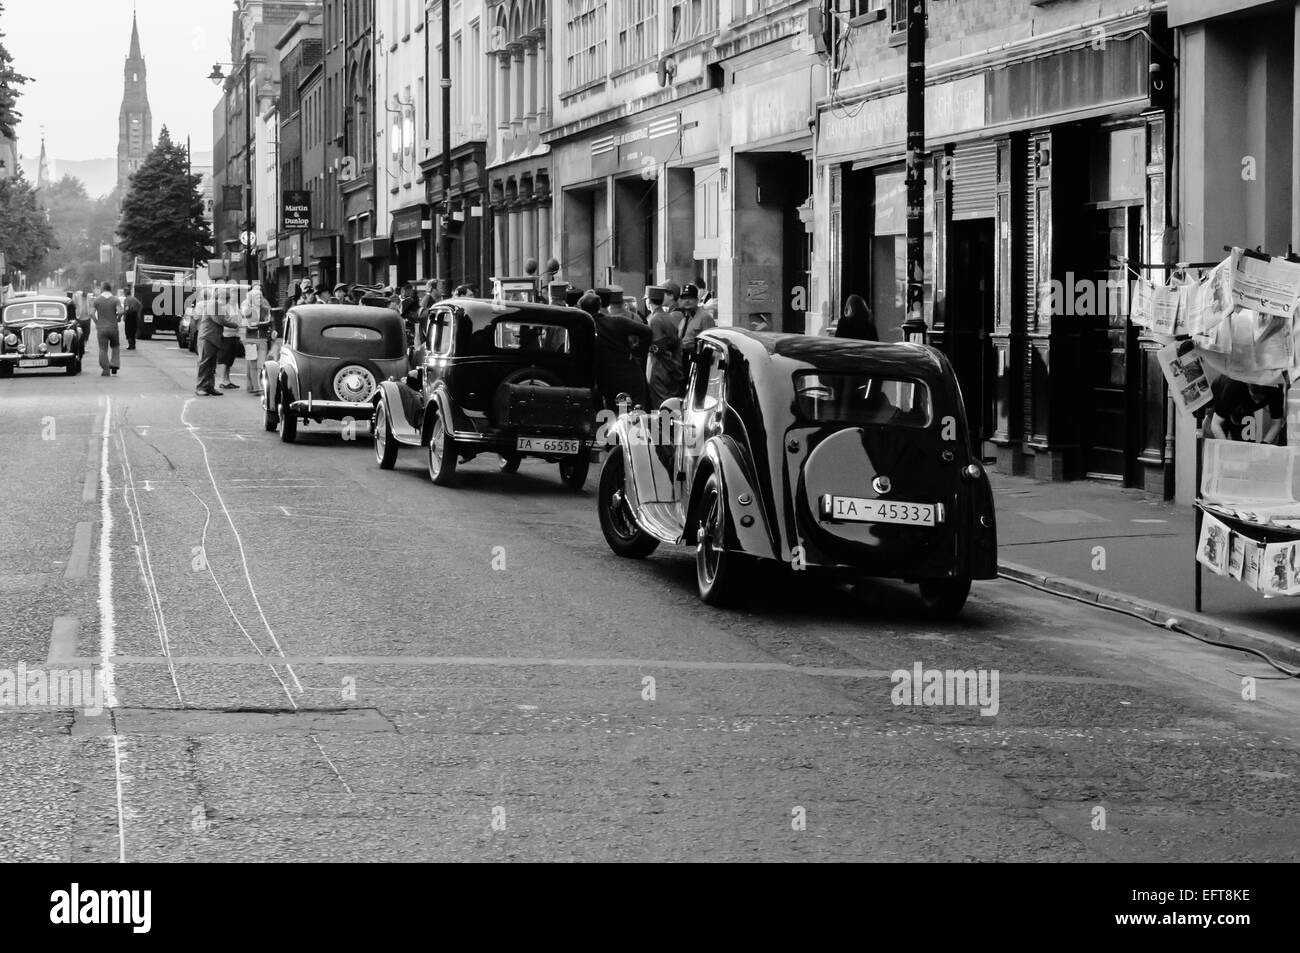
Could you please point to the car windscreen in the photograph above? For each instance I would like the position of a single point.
(822, 397)
(383, 342)
(42, 310)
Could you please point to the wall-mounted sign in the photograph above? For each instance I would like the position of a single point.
(295, 210)
(638, 147)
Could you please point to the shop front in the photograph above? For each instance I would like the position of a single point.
(408, 239)
(1040, 171)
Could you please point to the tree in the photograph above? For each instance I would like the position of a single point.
(25, 234)
(81, 225)
(162, 214)
(10, 80)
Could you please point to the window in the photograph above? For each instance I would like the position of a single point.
(637, 31)
(858, 399)
(708, 379)
(898, 16)
(688, 19)
(584, 42)
(341, 332)
(520, 336)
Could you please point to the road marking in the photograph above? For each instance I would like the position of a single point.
(79, 562)
(63, 639)
(285, 512)
(121, 819)
(243, 558)
(1151, 521)
(107, 633)
(333, 768)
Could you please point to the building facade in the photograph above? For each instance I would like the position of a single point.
(134, 121)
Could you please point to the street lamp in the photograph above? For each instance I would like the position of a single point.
(248, 234)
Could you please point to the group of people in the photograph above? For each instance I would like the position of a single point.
(644, 351)
(230, 328)
(105, 311)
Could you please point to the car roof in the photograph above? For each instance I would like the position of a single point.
(845, 355)
(28, 298)
(317, 316)
(489, 306)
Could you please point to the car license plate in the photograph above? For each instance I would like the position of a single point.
(546, 445)
(853, 509)
(35, 362)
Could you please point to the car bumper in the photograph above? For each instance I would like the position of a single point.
(55, 358)
(332, 409)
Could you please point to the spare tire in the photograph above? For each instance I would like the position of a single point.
(537, 376)
(353, 379)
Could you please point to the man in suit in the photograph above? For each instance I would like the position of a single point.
(212, 323)
(108, 312)
(131, 311)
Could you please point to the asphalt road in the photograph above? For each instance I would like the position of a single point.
(313, 659)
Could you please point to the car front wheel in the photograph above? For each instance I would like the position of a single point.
(442, 454)
(945, 597)
(621, 531)
(718, 571)
(385, 445)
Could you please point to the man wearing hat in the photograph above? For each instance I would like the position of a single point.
(618, 370)
(343, 294)
(664, 378)
(557, 294)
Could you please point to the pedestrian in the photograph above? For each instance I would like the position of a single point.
(688, 304)
(705, 294)
(618, 338)
(557, 294)
(80, 347)
(343, 294)
(704, 318)
(856, 321)
(132, 310)
(211, 322)
(107, 315)
(256, 315)
(231, 347)
(664, 378)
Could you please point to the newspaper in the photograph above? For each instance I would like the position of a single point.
(1209, 302)
(1214, 546)
(1271, 285)
(1164, 309)
(1140, 310)
(1237, 472)
(1280, 569)
(1186, 376)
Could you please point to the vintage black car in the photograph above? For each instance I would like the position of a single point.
(822, 453)
(40, 331)
(331, 363)
(512, 378)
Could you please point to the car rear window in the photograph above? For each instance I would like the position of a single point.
(45, 310)
(525, 336)
(342, 333)
(861, 399)
(353, 340)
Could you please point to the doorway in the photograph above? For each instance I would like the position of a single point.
(970, 323)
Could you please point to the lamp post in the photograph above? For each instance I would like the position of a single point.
(914, 328)
(247, 232)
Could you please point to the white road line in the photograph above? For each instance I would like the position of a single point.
(145, 561)
(333, 768)
(121, 814)
(285, 512)
(107, 633)
(239, 541)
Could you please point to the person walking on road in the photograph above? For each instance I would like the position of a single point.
(256, 322)
(132, 311)
(232, 347)
(108, 312)
(617, 369)
(212, 322)
(664, 377)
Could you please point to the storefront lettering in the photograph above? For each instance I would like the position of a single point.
(950, 108)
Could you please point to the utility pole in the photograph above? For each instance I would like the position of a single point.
(444, 238)
(914, 328)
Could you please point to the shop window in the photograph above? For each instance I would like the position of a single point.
(1119, 162)
(888, 279)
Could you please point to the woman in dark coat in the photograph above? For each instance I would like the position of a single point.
(617, 369)
(857, 322)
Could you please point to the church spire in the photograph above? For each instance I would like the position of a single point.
(43, 170)
(135, 39)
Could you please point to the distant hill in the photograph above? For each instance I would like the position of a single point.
(99, 175)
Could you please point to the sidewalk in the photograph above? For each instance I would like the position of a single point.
(1051, 530)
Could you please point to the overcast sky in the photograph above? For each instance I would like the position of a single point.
(74, 50)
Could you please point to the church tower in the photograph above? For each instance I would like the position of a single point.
(43, 170)
(135, 122)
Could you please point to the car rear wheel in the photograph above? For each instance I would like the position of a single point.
(573, 471)
(718, 571)
(385, 445)
(442, 454)
(621, 532)
(945, 597)
(288, 419)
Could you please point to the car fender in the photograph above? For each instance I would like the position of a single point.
(402, 404)
(289, 378)
(440, 401)
(723, 455)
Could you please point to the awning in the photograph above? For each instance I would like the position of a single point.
(373, 248)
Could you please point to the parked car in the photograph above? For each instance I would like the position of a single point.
(331, 363)
(822, 453)
(514, 378)
(39, 331)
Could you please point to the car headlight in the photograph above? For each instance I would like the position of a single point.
(11, 340)
(54, 337)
